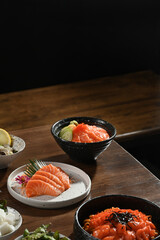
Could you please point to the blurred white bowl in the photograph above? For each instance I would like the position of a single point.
(18, 145)
(17, 225)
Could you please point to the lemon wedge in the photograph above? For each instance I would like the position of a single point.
(4, 137)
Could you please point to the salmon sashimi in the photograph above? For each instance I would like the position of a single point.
(83, 138)
(51, 177)
(85, 133)
(58, 173)
(65, 178)
(48, 180)
(37, 176)
(99, 133)
(39, 187)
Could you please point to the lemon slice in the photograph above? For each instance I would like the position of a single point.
(4, 137)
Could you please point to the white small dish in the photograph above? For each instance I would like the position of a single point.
(17, 225)
(79, 189)
(60, 235)
(18, 146)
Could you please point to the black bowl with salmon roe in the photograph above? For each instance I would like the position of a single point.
(98, 204)
(84, 152)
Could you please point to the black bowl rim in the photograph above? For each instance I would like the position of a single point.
(89, 118)
(111, 195)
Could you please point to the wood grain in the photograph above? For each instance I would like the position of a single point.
(130, 102)
(114, 172)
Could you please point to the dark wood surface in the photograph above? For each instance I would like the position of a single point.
(114, 172)
(131, 102)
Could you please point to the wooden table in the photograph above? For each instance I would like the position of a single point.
(114, 172)
(131, 102)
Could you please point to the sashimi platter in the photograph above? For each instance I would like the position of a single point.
(48, 185)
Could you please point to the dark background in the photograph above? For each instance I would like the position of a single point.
(46, 42)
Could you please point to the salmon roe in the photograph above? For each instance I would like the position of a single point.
(121, 224)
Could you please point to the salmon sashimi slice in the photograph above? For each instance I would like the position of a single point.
(99, 132)
(64, 178)
(58, 173)
(50, 168)
(51, 177)
(39, 187)
(85, 138)
(94, 136)
(80, 134)
(82, 137)
(85, 133)
(37, 176)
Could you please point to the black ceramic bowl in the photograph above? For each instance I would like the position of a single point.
(122, 201)
(83, 151)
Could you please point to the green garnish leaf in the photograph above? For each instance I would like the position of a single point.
(32, 168)
(3, 204)
(42, 233)
(56, 235)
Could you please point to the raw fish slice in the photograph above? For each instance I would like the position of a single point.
(65, 178)
(100, 133)
(49, 168)
(76, 138)
(56, 171)
(37, 176)
(85, 133)
(38, 187)
(94, 137)
(85, 138)
(51, 177)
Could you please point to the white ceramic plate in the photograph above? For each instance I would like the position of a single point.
(79, 189)
(20, 237)
(17, 225)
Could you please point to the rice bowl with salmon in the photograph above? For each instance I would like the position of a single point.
(83, 138)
